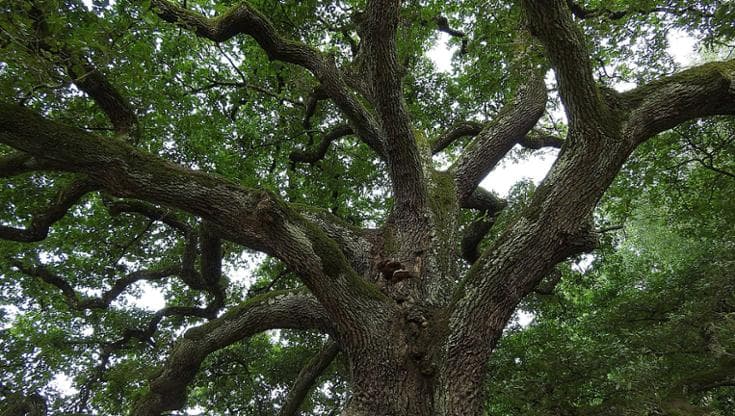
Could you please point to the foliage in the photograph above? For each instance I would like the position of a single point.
(648, 326)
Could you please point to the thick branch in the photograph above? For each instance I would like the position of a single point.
(551, 22)
(510, 126)
(701, 91)
(307, 377)
(280, 309)
(557, 223)
(42, 221)
(378, 28)
(254, 218)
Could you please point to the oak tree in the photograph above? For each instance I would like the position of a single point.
(158, 141)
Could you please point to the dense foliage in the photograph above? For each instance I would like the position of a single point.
(645, 325)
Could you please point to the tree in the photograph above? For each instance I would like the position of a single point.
(160, 140)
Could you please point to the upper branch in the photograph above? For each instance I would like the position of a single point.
(251, 217)
(78, 301)
(464, 129)
(701, 91)
(281, 309)
(88, 78)
(494, 141)
(582, 12)
(551, 22)
(245, 19)
(318, 153)
(378, 28)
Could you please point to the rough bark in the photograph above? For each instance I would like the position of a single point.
(282, 309)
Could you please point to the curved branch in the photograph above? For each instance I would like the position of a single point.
(42, 221)
(442, 23)
(702, 91)
(81, 302)
(245, 19)
(254, 218)
(458, 131)
(90, 80)
(281, 309)
(154, 213)
(317, 154)
(107, 97)
(307, 377)
(145, 336)
(511, 125)
(538, 142)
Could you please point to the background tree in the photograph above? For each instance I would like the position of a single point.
(162, 142)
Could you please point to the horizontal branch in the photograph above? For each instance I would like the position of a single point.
(80, 302)
(582, 12)
(150, 211)
(538, 142)
(702, 91)
(254, 218)
(483, 200)
(281, 309)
